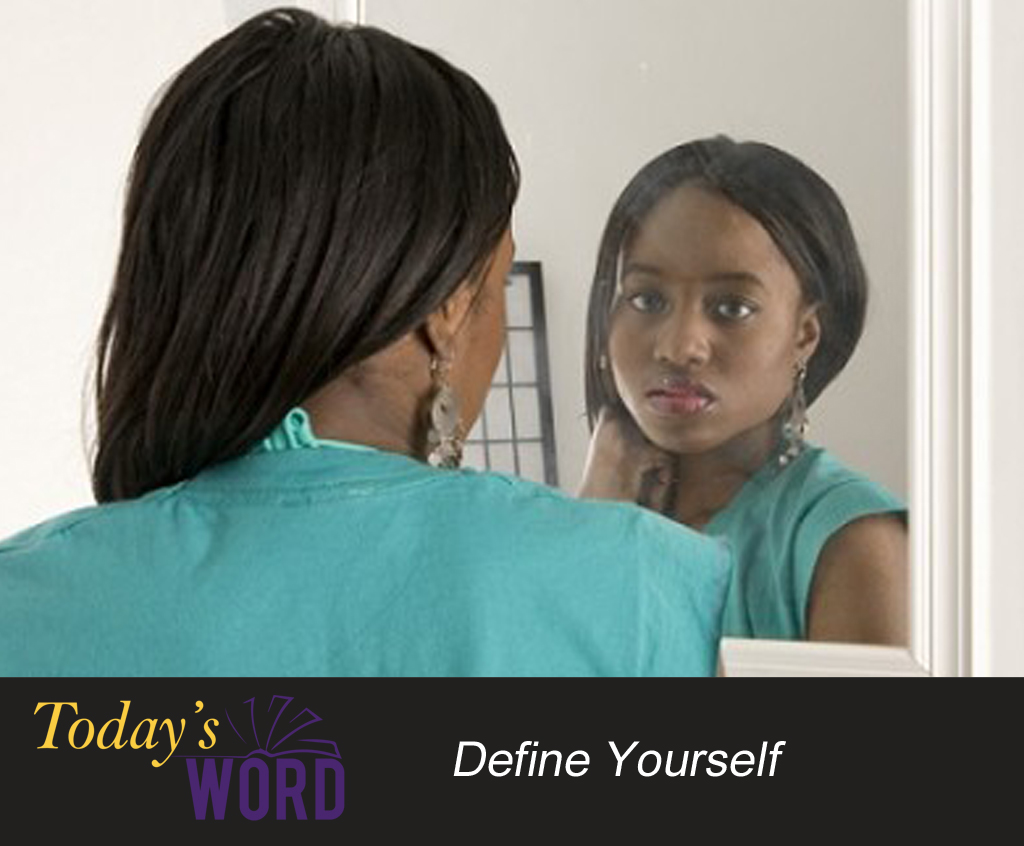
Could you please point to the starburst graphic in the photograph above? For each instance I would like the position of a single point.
(283, 737)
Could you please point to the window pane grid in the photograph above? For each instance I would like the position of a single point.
(515, 432)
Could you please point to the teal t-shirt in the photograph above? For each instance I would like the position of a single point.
(777, 525)
(313, 558)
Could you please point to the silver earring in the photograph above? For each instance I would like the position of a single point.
(445, 436)
(794, 429)
(602, 362)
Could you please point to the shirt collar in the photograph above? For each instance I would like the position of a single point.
(295, 431)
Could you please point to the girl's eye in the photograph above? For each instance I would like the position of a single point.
(733, 309)
(649, 302)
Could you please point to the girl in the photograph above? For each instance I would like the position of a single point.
(305, 319)
(728, 294)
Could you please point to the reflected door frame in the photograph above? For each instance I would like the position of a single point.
(949, 90)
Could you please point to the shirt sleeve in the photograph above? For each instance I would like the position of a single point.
(837, 507)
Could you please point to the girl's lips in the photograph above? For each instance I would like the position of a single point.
(680, 401)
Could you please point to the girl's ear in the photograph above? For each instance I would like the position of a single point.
(441, 327)
(808, 332)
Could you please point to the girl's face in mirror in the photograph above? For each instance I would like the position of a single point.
(707, 327)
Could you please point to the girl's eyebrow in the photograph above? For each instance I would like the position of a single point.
(639, 267)
(742, 276)
(725, 276)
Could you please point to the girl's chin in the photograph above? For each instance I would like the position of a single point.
(745, 448)
(681, 443)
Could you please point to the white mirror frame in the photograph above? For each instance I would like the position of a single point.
(943, 98)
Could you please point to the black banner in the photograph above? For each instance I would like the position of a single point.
(477, 760)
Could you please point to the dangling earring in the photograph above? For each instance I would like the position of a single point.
(445, 436)
(795, 427)
(602, 362)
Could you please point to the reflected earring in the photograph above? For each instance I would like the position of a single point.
(445, 435)
(795, 427)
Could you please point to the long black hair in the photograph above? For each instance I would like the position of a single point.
(302, 196)
(798, 209)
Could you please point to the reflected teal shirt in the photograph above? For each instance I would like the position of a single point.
(777, 525)
(311, 558)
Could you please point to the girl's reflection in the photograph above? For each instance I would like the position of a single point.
(729, 292)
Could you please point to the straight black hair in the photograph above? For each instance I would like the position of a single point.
(798, 209)
(302, 196)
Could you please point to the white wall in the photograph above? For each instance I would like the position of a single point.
(75, 82)
(591, 89)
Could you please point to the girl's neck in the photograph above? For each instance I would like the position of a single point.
(377, 403)
(707, 482)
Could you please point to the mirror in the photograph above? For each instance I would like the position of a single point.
(589, 91)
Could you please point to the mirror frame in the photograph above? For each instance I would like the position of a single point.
(946, 97)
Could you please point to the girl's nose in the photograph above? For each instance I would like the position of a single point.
(683, 341)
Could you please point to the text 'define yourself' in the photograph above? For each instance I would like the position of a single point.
(529, 760)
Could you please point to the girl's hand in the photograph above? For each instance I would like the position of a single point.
(623, 465)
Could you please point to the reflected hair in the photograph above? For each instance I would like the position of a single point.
(302, 196)
(799, 210)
